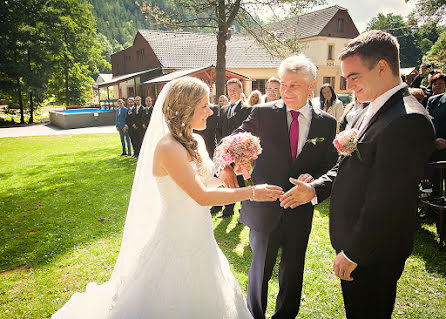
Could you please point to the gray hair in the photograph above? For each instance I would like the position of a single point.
(298, 63)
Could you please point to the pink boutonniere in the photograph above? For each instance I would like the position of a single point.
(346, 143)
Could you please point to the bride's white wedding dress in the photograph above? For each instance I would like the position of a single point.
(170, 265)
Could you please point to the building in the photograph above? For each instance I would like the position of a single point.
(322, 34)
(155, 53)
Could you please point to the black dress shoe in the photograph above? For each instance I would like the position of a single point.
(215, 209)
(123, 154)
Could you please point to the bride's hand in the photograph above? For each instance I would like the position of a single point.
(267, 193)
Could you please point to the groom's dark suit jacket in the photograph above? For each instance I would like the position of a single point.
(275, 166)
(373, 201)
(239, 114)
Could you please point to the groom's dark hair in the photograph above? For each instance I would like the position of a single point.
(373, 46)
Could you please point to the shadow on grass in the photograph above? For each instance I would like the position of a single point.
(426, 246)
(229, 241)
(59, 208)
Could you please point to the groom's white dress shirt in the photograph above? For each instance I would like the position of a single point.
(376, 104)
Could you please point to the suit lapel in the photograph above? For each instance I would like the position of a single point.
(315, 126)
(389, 103)
(282, 134)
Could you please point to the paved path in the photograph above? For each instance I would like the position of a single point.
(48, 129)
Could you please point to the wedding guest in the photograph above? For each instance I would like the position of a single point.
(436, 106)
(121, 115)
(232, 116)
(373, 203)
(284, 127)
(418, 94)
(134, 123)
(272, 90)
(351, 111)
(438, 83)
(222, 101)
(255, 98)
(148, 113)
(330, 103)
(416, 82)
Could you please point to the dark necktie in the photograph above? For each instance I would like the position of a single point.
(230, 110)
(294, 133)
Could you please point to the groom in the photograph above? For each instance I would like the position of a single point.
(373, 206)
(296, 139)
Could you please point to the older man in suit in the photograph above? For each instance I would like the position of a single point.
(231, 117)
(297, 143)
(373, 206)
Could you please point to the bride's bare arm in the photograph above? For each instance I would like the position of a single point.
(172, 158)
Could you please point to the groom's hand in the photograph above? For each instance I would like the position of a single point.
(342, 267)
(300, 194)
(228, 177)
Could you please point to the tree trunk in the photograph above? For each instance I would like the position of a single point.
(66, 82)
(19, 91)
(31, 100)
(220, 67)
(221, 63)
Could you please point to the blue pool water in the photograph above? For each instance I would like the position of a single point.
(77, 111)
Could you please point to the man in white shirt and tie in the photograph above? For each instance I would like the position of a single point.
(297, 144)
(373, 205)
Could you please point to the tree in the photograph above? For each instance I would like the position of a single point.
(220, 15)
(437, 53)
(429, 10)
(78, 51)
(410, 52)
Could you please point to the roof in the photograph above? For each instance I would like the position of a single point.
(104, 77)
(178, 74)
(124, 77)
(180, 50)
(306, 25)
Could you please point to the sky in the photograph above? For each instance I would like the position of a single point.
(363, 11)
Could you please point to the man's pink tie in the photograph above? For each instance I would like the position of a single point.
(294, 133)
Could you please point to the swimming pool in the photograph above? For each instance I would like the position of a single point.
(76, 118)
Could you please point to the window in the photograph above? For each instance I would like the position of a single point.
(259, 85)
(330, 80)
(340, 25)
(130, 91)
(330, 52)
(343, 83)
(140, 55)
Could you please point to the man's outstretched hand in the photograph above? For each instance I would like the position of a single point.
(300, 194)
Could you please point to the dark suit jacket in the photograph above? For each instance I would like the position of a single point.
(373, 201)
(436, 106)
(212, 133)
(241, 112)
(133, 118)
(147, 115)
(275, 166)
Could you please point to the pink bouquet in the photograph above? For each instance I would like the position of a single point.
(241, 149)
(346, 142)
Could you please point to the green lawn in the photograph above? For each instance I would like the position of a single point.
(63, 201)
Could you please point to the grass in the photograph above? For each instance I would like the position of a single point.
(63, 201)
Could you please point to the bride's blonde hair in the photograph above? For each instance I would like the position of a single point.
(178, 109)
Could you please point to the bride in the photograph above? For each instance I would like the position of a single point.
(170, 265)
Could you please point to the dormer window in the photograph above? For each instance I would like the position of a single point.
(341, 25)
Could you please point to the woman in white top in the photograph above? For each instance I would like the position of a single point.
(330, 104)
